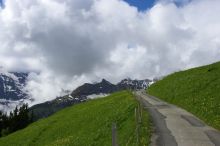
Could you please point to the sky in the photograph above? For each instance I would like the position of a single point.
(142, 5)
(65, 43)
(1, 3)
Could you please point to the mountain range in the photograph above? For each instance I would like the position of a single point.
(84, 93)
(13, 93)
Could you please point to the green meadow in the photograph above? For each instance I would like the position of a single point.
(88, 124)
(197, 90)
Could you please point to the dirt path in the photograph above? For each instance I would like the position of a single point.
(175, 126)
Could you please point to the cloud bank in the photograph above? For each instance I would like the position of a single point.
(68, 42)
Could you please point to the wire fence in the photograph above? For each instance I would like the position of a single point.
(138, 121)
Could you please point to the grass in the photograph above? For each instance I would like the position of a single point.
(196, 90)
(87, 124)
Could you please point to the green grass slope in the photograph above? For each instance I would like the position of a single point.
(197, 90)
(87, 124)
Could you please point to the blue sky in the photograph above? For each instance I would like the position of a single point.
(146, 4)
(1, 3)
(141, 4)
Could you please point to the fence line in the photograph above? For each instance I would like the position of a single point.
(138, 120)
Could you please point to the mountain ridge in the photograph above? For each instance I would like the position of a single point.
(82, 93)
(13, 93)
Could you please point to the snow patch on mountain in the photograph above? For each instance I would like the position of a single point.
(12, 90)
(94, 96)
(3, 73)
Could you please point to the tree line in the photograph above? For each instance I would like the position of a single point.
(17, 119)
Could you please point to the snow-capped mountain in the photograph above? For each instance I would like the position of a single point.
(12, 91)
(12, 86)
(133, 84)
(105, 87)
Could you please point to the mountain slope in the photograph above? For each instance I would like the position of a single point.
(83, 93)
(97, 88)
(86, 124)
(11, 86)
(106, 87)
(196, 90)
(12, 91)
(46, 109)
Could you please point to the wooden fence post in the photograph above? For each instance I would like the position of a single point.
(114, 135)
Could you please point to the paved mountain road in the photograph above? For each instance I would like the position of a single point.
(175, 126)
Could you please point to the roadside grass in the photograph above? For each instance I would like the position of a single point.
(196, 90)
(87, 124)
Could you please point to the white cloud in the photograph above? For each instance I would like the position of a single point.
(73, 41)
(46, 86)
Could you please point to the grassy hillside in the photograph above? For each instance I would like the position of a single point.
(86, 124)
(197, 90)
